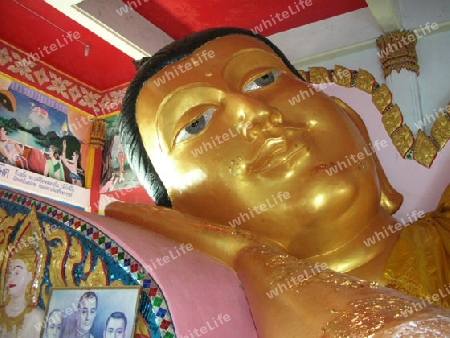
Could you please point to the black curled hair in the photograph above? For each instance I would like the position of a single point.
(129, 129)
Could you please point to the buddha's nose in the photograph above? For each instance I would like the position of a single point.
(256, 118)
(266, 123)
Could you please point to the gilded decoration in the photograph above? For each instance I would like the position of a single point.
(403, 140)
(319, 75)
(398, 51)
(342, 76)
(98, 134)
(382, 98)
(61, 250)
(423, 149)
(441, 129)
(392, 119)
(365, 81)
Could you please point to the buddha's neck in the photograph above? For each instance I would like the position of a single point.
(366, 255)
(15, 306)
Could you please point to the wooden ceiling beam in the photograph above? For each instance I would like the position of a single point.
(385, 14)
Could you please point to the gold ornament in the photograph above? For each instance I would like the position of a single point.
(342, 76)
(441, 130)
(365, 81)
(392, 119)
(382, 98)
(424, 149)
(319, 75)
(398, 51)
(403, 139)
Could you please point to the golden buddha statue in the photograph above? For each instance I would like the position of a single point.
(240, 173)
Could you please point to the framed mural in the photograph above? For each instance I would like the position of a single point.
(43, 144)
(116, 171)
(117, 178)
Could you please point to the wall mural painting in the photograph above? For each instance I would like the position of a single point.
(40, 135)
(116, 172)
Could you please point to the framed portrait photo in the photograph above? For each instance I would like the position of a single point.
(94, 312)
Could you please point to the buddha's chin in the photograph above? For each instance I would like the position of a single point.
(324, 215)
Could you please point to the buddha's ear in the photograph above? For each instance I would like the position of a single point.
(390, 199)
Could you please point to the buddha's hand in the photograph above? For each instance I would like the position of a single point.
(220, 242)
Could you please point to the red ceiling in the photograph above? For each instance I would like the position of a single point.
(103, 68)
(106, 67)
(179, 18)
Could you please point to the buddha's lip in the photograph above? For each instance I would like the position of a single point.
(275, 151)
(11, 286)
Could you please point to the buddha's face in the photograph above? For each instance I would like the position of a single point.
(228, 145)
(53, 327)
(18, 278)
(86, 313)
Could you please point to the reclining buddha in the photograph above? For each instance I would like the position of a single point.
(226, 91)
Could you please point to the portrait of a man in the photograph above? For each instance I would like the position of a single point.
(116, 325)
(87, 311)
(93, 312)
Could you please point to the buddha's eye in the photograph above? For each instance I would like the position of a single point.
(196, 126)
(263, 80)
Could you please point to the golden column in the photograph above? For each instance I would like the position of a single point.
(96, 143)
(401, 70)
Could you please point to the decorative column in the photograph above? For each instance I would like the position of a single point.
(96, 143)
(401, 70)
(398, 52)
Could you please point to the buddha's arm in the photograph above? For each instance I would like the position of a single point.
(287, 295)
